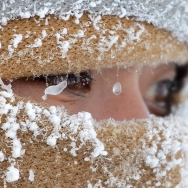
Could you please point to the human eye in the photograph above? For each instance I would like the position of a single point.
(158, 97)
(78, 84)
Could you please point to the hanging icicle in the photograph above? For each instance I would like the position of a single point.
(117, 88)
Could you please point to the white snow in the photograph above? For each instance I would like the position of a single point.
(25, 14)
(152, 162)
(64, 31)
(96, 21)
(63, 45)
(44, 34)
(33, 127)
(99, 150)
(3, 20)
(86, 159)
(93, 4)
(52, 139)
(17, 39)
(31, 175)
(37, 43)
(106, 42)
(30, 110)
(17, 148)
(6, 87)
(42, 12)
(78, 15)
(2, 156)
(12, 174)
(169, 14)
(123, 12)
(10, 49)
(11, 129)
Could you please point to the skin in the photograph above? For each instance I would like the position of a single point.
(99, 99)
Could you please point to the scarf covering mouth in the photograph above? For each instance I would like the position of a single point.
(49, 148)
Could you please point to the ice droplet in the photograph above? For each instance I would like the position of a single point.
(54, 90)
(117, 88)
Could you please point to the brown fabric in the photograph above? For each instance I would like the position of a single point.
(53, 167)
(128, 144)
(138, 43)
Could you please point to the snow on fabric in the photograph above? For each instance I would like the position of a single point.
(2, 156)
(81, 124)
(31, 175)
(30, 130)
(12, 174)
(162, 147)
(163, 14)
(96, 42)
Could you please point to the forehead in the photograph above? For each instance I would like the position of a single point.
(50, 45)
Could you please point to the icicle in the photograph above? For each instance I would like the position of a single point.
(117, 88)
(54, 90)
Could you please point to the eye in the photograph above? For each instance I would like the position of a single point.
(159, 97)
(77, 84)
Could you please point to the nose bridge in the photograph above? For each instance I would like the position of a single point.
(127, 105)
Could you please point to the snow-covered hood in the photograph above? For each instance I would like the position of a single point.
(171, 15)
(52, 45)
(79, 35)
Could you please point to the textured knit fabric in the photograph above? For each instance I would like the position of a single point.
(47, 147)
(171, 15)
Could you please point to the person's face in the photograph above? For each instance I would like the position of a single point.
(144, 90)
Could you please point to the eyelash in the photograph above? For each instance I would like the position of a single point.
(76, 83)
(83, 77)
